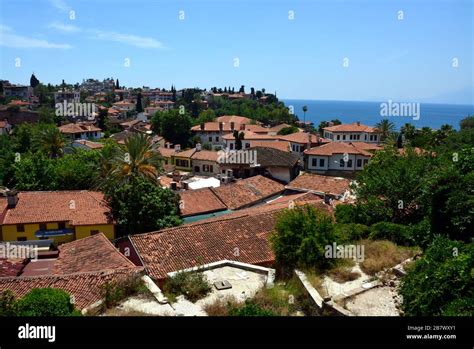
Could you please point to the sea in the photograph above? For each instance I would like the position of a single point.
(370, 113)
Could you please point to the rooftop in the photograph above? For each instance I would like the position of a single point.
(320, 184)
(76, 207)
(339, 148)
(78, 128)
(247, 191)
(354, 127)
(200, 201)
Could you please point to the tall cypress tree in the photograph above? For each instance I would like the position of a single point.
(34, 81)
(139, 106)
(117, 85)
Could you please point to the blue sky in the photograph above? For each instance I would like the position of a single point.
(405, 60)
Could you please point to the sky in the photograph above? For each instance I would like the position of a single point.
(363, 50)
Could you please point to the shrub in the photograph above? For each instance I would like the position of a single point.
(114, 292)
(343, 274)
(441, 282)
(250, 309)
(379, 255)
(351, 231)
(46, 302)
(7, 303)
(220, 307)
(300, 238)
(192, 285)
(397, 233)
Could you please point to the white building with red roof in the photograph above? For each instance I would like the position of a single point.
(355, 132)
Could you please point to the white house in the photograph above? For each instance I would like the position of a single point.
(338, 156)
(355, 132)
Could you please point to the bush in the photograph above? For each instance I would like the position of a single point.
(441, 282)
(250, 309)
(192, 285)
(351, 231)
(397, 233)
(368, 212)
(114, 292)
(46, 302)
(7, 303)
(300, 237)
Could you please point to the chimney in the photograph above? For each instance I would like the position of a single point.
(12, 198)
(221, 126)
(358, 123)
(202, 126)
(327, 199)
(177, 148)
(198, 146)
(232, 125)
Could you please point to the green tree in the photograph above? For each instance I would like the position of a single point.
(46, 302)
(34, 172)
(34, 81)
(288, 130)
(467, 122)
(175, 127)
(51, 141)
(305, 109)
(141, 206)
(441, 282)
(300, 237)
(385, 127)
(135, 159)
(139, 106)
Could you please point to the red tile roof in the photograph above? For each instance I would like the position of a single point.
(206, 155)
(240, 236)
(234, 118)
(11, 266)
(301, 138)
(90, 144)
(247, 191)
(337, 148)
(90, 254)
(76, 207)
(168, 152)
(200, 201)
(280, 145)
(354, 127)
(320, 184)
(87, 288)
(249, 135)
(78, 128)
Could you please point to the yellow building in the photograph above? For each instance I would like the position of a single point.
(60, 215)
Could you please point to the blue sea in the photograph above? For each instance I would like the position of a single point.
(368, 113)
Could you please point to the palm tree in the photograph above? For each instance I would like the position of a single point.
(51, 141)
(385, 127)
(135, 158)
(408, 131)
(305, 109)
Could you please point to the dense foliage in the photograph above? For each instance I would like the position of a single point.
(45, 302)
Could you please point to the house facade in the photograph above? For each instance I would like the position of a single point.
(355, 132)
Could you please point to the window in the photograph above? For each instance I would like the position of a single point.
(42, 226)
(313, 162)
(21, 238)
(196, 169)
(94, 232)
(350, 137)
(375, 137)
(217, 139)
(205, 168)
(231, 146)
(182, 163)
(211, 168)
(321, 162)
(341, 163)
(349, 163)
(61, 225)
(247, 145)
(338, 137)
(20, 228)
(359, 162)
(343, 137)
(365, 137)
(210, 139)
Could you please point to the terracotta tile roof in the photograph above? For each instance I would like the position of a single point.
(11, 266)
(354, 127)
(185, 153)
(249, 135)
(256, 129)
(240, 236)
(213, 126)
(78, 128)
(320, 184)
(247, 191)
(271, 157)
(297, 197)
(280, 145)
(90, 144)
(87, 288)
(206, 155)
(279, 127)
(234, 118)
(89, 254)
(200, 201)
(367, 146)
(56, 206)
(337, 148)
(301, 138)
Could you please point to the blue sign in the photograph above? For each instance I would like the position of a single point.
(54, 232)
